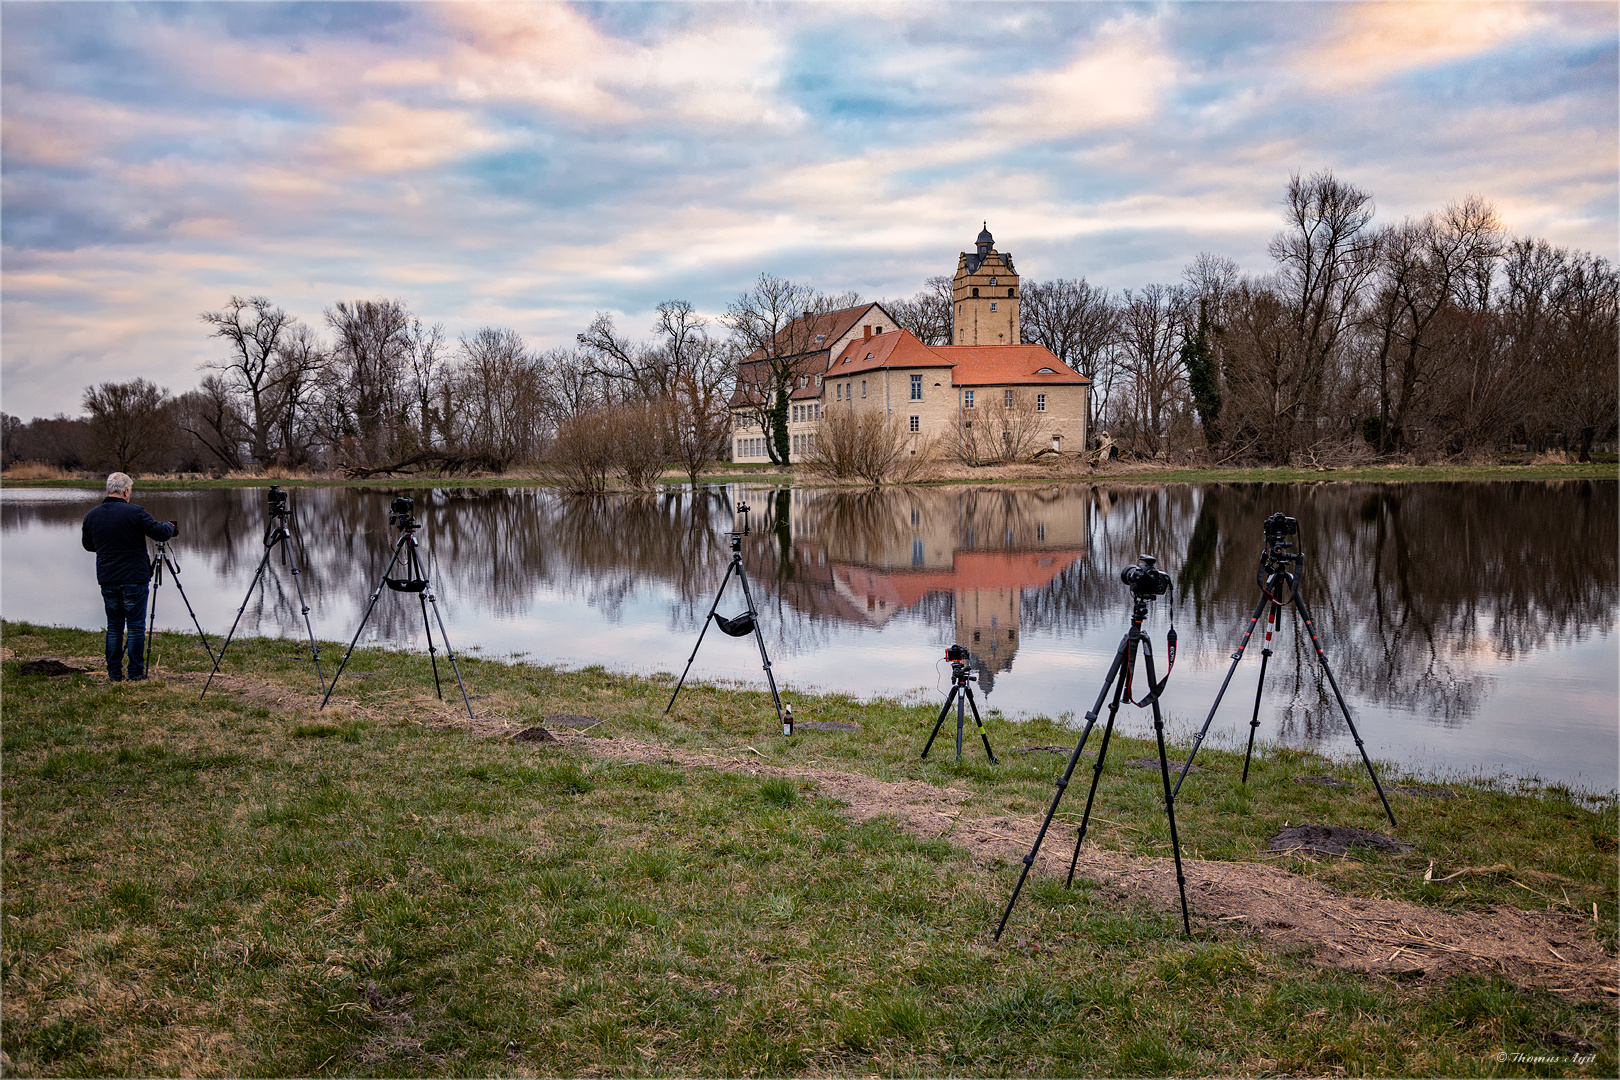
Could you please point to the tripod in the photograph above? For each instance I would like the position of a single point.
(275, 535)
(415, 581)
(962, 694)
(742, 625)
(1278, 587)
(1148, 583)
(159, 561)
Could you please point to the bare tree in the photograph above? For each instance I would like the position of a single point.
(500, 394)
(1155, 398)
(130, 422)
(996, 430)
(209, 414)
(364, 390)
(1080, 324)
(777, 323)
(867, 444)
(427, 372)
(254, 328)
(1324, 256)
(928, 314)
(295, 370)
(1425, 268)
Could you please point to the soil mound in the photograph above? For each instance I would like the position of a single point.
(1333, 840)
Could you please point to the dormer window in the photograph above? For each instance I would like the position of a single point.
(869, 356)
(1046, 371)
(820, 338)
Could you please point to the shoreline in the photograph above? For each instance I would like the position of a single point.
(994, 475)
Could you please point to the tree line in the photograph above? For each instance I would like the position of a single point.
(1437, 335)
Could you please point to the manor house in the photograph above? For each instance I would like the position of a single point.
(985, 388)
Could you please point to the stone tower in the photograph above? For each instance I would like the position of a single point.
(985, 296)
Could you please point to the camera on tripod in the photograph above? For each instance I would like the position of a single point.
(1279, 526)
(1145, 579)
(399, 513)
(278, 501)
(957, 654)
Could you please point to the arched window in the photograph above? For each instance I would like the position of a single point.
(1012, 292)
(975, 293)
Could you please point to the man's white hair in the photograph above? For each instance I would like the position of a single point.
(118, 483)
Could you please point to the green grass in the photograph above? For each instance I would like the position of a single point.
(236, 886)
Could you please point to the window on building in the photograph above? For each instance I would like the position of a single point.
(1006, 438)
(967, 399)
(1040, 402)
(916, 553)
(838, 392)
(916, 423)
(877, 330)
(992, 281)
(1006, 398)
(863, 388)
(975, 293)
(916, 388)
(993, 305)
(1012, 292)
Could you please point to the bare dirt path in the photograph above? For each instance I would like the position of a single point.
(1392, 938)
(1387, 937)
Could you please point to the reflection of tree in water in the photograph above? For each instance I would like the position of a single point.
(1413, 585)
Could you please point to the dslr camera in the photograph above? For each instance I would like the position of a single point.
(278, 501)
(957, 654)
(399, 513)
(1279, 526)
(1146, 580)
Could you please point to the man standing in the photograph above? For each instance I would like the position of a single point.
(116, 531)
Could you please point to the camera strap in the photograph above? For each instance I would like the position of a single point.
(1170, 664)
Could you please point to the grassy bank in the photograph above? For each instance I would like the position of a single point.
(1022, 474)
(244, 885)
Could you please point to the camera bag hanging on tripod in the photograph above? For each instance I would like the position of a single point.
(741, 626)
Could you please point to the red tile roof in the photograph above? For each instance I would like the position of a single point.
(898, 349)
(1002, 365)
(969, 570)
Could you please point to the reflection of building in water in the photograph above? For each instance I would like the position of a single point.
(864, 557)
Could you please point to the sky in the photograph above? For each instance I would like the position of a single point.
(528, 165)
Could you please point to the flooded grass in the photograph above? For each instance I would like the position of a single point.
(245, 885)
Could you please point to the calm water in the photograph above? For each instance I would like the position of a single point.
(1471, 626)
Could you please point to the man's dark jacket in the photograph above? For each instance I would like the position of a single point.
(116, 531)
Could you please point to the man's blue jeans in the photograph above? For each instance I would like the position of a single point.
(126, 609)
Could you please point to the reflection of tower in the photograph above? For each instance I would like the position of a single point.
(987, 621)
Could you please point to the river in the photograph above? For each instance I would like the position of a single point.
(1470, 625)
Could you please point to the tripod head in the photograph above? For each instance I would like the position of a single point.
(400, 515)
(739, 526)
(1279, 552)
(960, 660)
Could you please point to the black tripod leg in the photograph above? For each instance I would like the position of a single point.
(977, 719)
(1242, 645)
(254, 584)
(1062, 785)
(961, 718)
(759, 639)
(1102, 755)
(151, 630)
(174, 573)
(303, 606)
(413, 569)
(398, 547)
(1169, 796)
(1310, 628)
(448, 651)
(943, 712)
(433, 654)
(706, 620)
(1254, 719)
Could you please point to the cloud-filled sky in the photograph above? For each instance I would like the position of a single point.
(529, 164)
